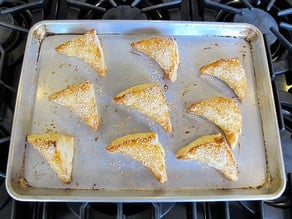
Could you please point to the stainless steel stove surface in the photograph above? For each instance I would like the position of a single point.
(272, 17)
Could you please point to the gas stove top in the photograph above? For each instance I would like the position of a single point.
(271, 17)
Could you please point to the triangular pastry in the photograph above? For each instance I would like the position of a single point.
(57, 150)
(164, 51)
(148, 99)
(145, 148)
(224, 112)
(214, 151)
(86, 47)
(231, 72)
(79, 98)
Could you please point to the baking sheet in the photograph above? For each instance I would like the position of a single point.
(98, 174)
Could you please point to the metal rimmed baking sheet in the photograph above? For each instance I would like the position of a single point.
(100, 176)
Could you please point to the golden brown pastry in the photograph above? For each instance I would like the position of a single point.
(214, 151)
(222, 111)
(145, 148)
(164, 51)
(79, 98)
(148, 99)
(231, 72)
(58, 151)
(86, 47)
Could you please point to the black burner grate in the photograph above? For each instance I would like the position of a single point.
(184, 210)
(127, 10)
